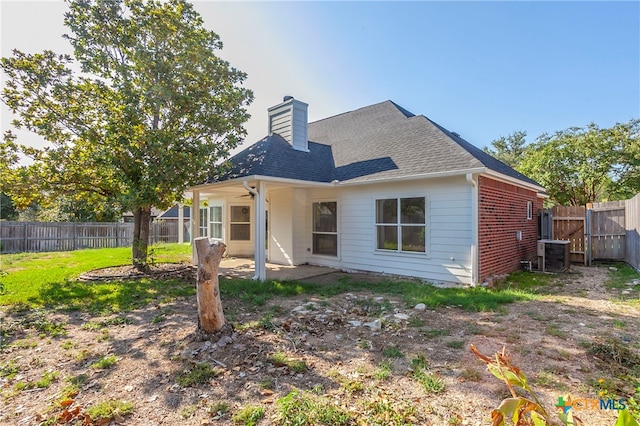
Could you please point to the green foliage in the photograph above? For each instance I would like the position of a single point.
(7, 208)
(431, 383)
(384, 371)
(303, 408)
(392, 352)
(585, 165)
(108, 409)
(280, 359)
(509, 149)
(196, 375)
(105, 362)
(153, 111)
(248, 415)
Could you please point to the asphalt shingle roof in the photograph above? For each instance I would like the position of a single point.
(379, 141)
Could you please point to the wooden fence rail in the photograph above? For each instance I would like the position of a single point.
(632, 255)
(599, 231)
(64, 236)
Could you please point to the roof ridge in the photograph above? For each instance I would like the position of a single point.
(398, 107)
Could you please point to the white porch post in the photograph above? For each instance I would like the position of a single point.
(180, 224)
(260, 233)
(195, 225)
(475, 273)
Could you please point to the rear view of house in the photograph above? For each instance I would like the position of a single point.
(376, 189)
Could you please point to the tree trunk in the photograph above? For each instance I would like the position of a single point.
(210, 316)
(141, 216)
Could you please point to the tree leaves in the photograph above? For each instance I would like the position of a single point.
(152, 113)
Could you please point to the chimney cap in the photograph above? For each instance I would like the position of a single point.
(287, 98)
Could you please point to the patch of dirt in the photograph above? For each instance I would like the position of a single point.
(547, 339)
(185, 271)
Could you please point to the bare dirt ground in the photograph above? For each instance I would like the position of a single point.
(547, 338)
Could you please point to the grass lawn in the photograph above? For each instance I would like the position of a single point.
(39, 279)
(48, 279)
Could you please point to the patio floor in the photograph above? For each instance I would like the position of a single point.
(238, 267)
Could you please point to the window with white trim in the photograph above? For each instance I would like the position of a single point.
(325, 228)
(240, 223)
(529, 210)
(215, 222)
(203, 222)
(401, 224)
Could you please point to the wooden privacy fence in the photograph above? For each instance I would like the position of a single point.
(64, 236)
(599, 231)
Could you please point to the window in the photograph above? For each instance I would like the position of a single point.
(325, 228)
(203, 222)
(240, 223)
(529, 209)
(215, 222)
(401, 224)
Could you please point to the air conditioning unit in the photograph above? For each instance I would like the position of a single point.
(554, 255)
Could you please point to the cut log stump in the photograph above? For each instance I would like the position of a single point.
(210, 315)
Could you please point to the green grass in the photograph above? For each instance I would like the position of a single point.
(303, 408)
(476, 299)
(248, 415)
(280, 359)
(198, 374)
(47, 279)
(392, 352)
(105, 362)
(108, 409)
(624, 275)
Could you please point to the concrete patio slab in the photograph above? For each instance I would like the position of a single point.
(238, 267)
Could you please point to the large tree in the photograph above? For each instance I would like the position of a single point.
(585, 165)
(151, 112)
(509, 149)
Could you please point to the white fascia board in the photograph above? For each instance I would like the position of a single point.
(251, 178)
(416, 177)
(508, 179)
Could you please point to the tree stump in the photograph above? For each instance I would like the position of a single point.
(210, 316)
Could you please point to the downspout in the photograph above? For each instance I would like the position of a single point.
(471, 180)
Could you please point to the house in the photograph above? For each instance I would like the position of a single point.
(127, 217)
(376, 189)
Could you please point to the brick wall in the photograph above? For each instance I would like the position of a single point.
(502, 210)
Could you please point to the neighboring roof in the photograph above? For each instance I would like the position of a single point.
(380, 141)
(172, 212)
(154, 213)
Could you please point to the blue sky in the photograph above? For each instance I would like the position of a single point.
(482, 69)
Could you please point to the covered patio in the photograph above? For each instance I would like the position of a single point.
(244, 268)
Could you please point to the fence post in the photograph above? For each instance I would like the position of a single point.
(75, 235)
(587, 233)
(24, 234)
(117, 242)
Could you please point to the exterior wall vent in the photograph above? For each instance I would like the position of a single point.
(289, 120)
